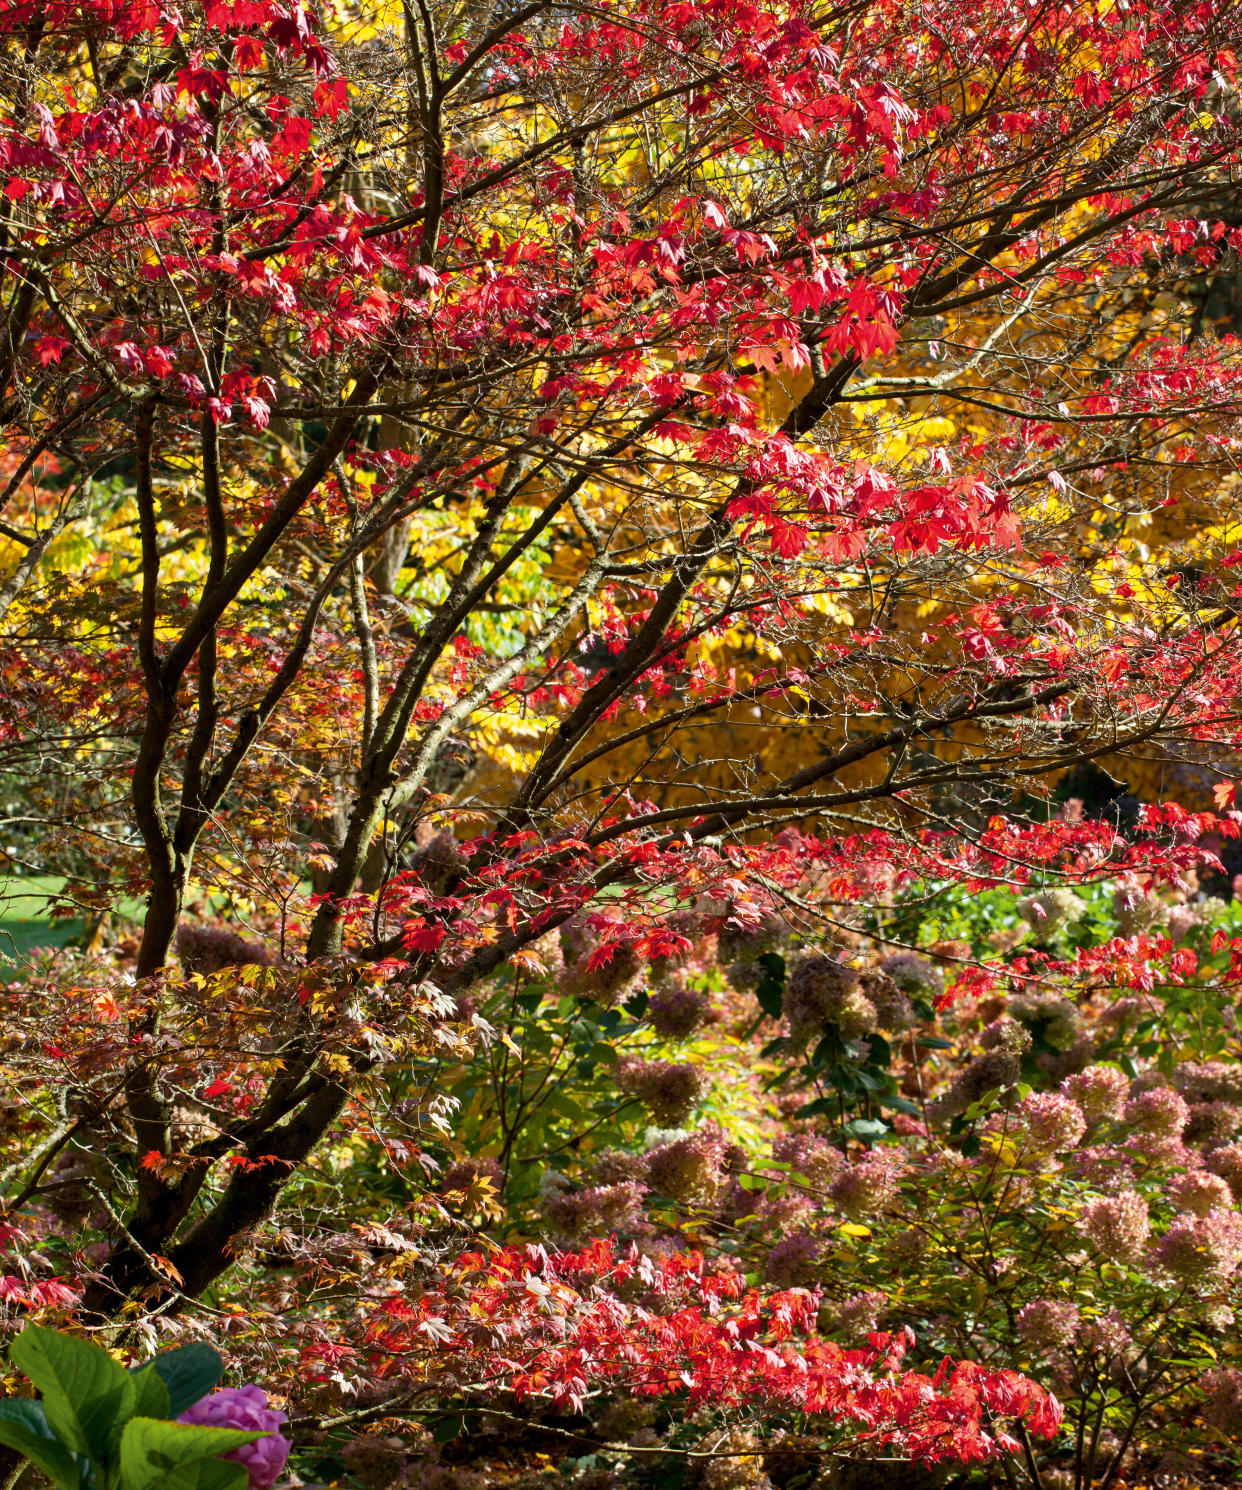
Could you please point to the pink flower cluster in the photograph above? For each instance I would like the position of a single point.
(1204, 1250)
(866, 1187)
(668, 1090)
(1047, 1324)
(1053, 1122)
(246, 1407)
(1100, 1092)
(1117, 1226)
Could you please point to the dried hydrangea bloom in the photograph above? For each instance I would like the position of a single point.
(1053, 1122)
(1202, 1249)
(736, 1462)
(1136, 909)
(1117, 1226)
(1051, 1016)
(1051, 911)
(677, 1009)
(1227, 1162)
(810, 1156)
(599, 1210)
(210, 949)
(438, 860)
(1222, 1402)
(893, 1010)
(820, 991)
(689, 1168)
(1208, 1081)
(780, 1211)
(1047, 1324)
(864, 1188)
(914, 975)
(614, 1167)
(1200, 1192)
(854, 1317)
(791, 1263)
(1213, 1123)
(669, 1090)
(1159, 1113)
(464, 1173)
(748, 944)
(986, 1073)
(1100, 1091)
(608, 974)
(1182, 921)
(1006, 1034)
(1108, 1334)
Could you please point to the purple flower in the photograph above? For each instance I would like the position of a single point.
(246, 1408)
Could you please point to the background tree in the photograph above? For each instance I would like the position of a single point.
(637, 471)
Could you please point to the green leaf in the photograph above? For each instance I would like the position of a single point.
(818, 1106)
(874, 1081)
(771, 990)
(189, 1373)
(206, 1474)
(151, 1399)
(154, 1454)
(771, 996)
(24, 1427)
(870, 1129)
(900, 1104)
(85, 1392)
(773, 964)
(881, 1050)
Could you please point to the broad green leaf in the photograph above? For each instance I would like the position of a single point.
(207, 1474)
(24, 1427)
(85, 1392)
(152, 1452)
(151, 1396)
(189, 1373)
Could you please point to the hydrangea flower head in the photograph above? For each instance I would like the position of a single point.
(1054, 1122)
(1117, 1225)
(1158, 1113)
(246, 1408)
(1202, 1249)
(1100, 1091)
(1200, 1192)
(864, 1188)
(1047, 1324)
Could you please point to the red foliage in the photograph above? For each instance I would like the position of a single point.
(552, 1325)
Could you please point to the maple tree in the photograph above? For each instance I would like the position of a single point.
(486, 489)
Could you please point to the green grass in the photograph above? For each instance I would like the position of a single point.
(24, 920)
